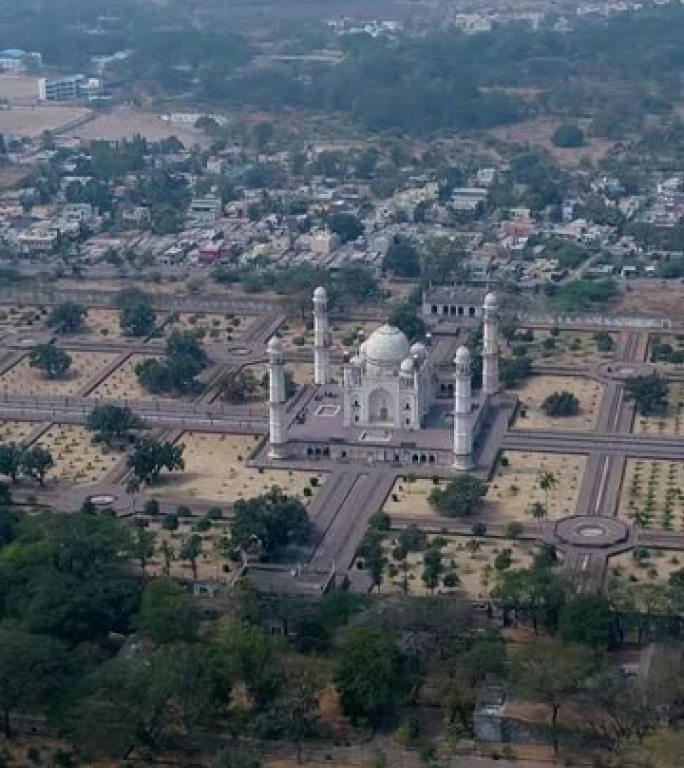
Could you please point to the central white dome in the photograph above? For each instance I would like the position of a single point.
(386, 346)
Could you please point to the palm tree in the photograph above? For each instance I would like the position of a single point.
(538, 511)
(547, 481)
(167, 554)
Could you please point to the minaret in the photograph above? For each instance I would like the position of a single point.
(490, 356)
(463, 424)
(276, 399)
(321, 337)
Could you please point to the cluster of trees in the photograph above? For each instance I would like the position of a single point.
(354, 284)
(650, 393)
(585, 294)
(17, 460)
(177, 372)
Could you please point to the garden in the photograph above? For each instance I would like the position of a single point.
(652, 494)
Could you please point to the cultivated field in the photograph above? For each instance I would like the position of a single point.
(533, 391)
(514, 487)
(647, 566)
(21, 379)
(567, 348)
(652, 494)
(302, 373)
(669, 423)
(33, 121)
(297, 335)
(215, 469)
(209, 326)
(77, 459)
(20, 318)
(470, 558)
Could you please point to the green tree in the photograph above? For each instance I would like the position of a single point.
(35, 463)
(514, 370)
(568, 135)
(433, 568)
(239, 386)
(190, 550)
(463, 496)
(561, 404)
(406, 318)
(297, 710)
(236, 756)
(34, 669)
(547, 482)
(53, 361)
(538, 511)
(10, 460)
(368, 675)
(113, 423)
(143, 546)
(650, 393)
(552, 673)
(136, 313)
(240, 653)
(588, 619)
(144, 701)
(402, 257)
(269, 522)
(373, 554)
(346, 226)
(150, 457)
(167, 614)
(67, 317)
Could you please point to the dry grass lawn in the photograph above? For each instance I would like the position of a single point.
(123, 384)
(536, 389)
(15, 431)
(215, 469)
(77, 460)
(21, 379)
(652, 493)
(514, 487)
(103, 323)
(127, 122)
(32, 121)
